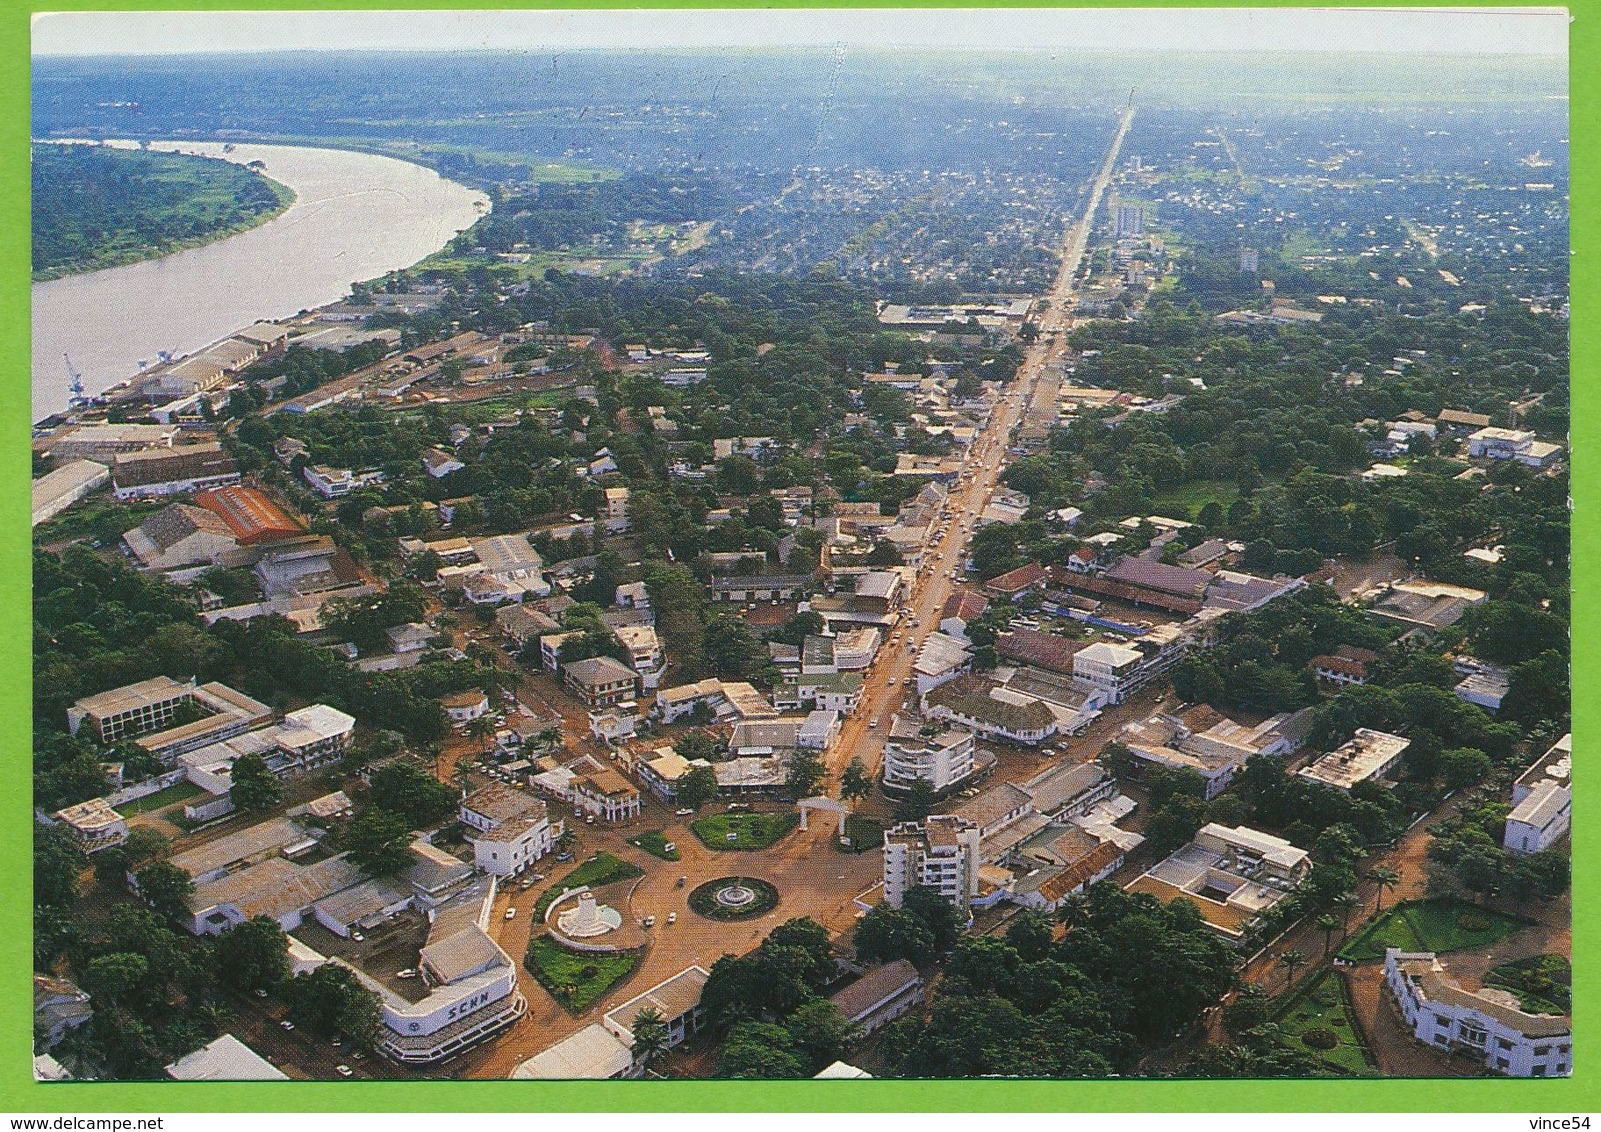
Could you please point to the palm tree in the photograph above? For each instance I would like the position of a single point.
(650, 1037)
(1384, 877)
(481, 729)
(1347, 902)
(1328, 922)
(1290, 960)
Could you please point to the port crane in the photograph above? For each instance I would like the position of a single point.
(77, 398)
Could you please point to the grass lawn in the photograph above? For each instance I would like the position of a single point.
(180, 791)
(1186, 500)
(750, 831)
(656, 845)
(601, 869)
(575, 980)
(1431, 925)
(1544, 983)
(865, 835)
(1321, 1005)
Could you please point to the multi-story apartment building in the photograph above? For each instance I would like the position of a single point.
(940, 756)
(941, 852)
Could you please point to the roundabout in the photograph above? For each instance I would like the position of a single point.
(733, 898)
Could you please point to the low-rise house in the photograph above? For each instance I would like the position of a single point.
(676, 1001)
(1426, 605)
(1345, 665)
(775, 587)
(1231, 876)
(172, 471)
(1482, 683)
(336, 483)
(1368, 756)
(672, 704)
(613, 725)
(439, 463)
(1016, 582)
(837, 692)
(881, 995)
(59, 1006)
(662, 770)
(413, 636)
(988, 709)
(645, 651)
(1512, 444)
(1489, 1025)
(93, 825)
(225, 1059)
(600, 681)
(1209, 744)
(464, 707)
(605, 794)
(1050, 651)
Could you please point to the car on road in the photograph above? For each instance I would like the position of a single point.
(872, 724)
(648, 921)
(408, 973)
(344, 1071)
(511, 913)
(685, 812)
(358, 937)
(672, 917)
(564, 856)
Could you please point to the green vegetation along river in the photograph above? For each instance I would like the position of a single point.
(96, 207)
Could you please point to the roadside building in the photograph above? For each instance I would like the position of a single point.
(224, 1059)
(1210, 744)
(605, 795)
(181, 535)
(464, 707)
(989, 709)
(592, 1054)
(509, 829)
(1489, 1025)
(913, 750)
(941, 852)
(676, 1001)
(600, 681)
(1345, 665)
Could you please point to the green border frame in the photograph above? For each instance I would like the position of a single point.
(19, 1094)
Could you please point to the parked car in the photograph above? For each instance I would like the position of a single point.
(685, 812)
(286, 1025)
(511, 913)
(672, 917)
(344, 1071)
(649, 921)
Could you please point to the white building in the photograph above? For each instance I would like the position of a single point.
(592, 1054)
(942, 758)
(644, 652)
(1512, 444)
(1489, 1024)
(616, 509)
(942, 658)
(225, 1059)
(1367, 756)
(55, 491)
(1112, 669)
(93, 825)
(510, 829)
(1231, 876)
(676, 1001)
(1210, 744)
(940, 852)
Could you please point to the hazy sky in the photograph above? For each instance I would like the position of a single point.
(1523, 30)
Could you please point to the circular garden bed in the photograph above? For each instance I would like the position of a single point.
(733, 898)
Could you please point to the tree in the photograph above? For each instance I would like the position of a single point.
(819, 1033)
(253, 955)
(803, 770)
(1346, 902)
(1117, 760)
(1384, 877)
(419, 799)
(482, 729)
(55, 867)
(379, 842)
(938, 914)
(650, 1036)
(166, 888)
(856, 783)
(918, 802)
(693, 745)
(697, 787)
(255, 788)
(759, 1050)
(886, 934)
(330, 1002)
(1462, 766)
(1291, 961)
(1327, 922)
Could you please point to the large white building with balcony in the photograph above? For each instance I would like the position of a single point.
(941, 756)
(941, 852)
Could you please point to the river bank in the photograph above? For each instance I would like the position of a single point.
(355, 216)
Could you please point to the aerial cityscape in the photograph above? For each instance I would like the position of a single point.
(800, 562)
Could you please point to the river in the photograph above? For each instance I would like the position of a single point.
(355, 216)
